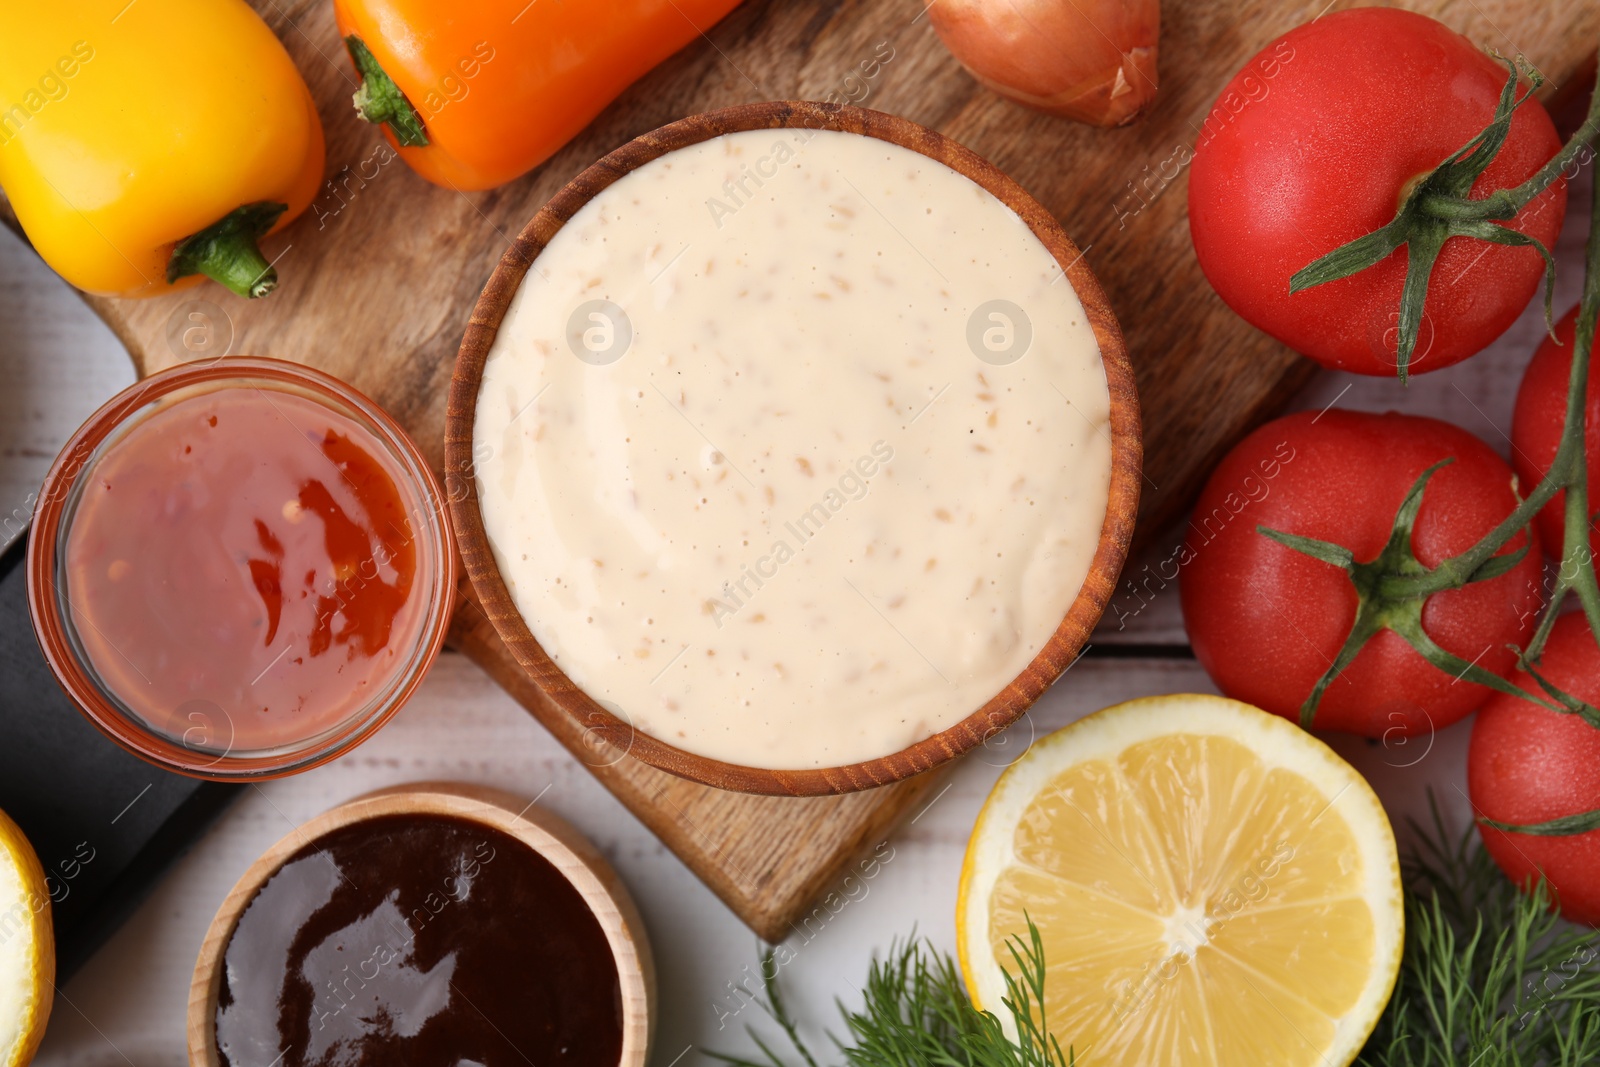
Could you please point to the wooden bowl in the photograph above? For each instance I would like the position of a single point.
(548, 835)
(1005, 707)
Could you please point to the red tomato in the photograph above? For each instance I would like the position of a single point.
(1313, 144)
(1536, 428)
(1528, 764)
(1266, 621)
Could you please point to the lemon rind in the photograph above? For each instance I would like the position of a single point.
(41, 943)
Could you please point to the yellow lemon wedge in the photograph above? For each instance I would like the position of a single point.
(1213, 886)
(27, 948)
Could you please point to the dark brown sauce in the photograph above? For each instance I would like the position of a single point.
(418, 940)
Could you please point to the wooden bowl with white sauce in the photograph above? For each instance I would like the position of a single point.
(793, 449)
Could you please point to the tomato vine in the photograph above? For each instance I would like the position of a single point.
(1393, 588)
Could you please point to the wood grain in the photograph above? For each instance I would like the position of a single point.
(546, 834)
(380, 276)
(1007, 706)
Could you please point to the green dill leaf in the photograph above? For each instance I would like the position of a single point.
(915, 1013)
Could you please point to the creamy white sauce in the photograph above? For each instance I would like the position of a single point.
(780, 513)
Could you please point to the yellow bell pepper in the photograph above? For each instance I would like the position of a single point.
(146, 143)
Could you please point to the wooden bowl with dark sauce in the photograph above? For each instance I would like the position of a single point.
(1005, 706)
(429, 923)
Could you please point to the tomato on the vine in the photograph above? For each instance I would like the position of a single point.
(1267, 621)
(1528, 765)
(1537, 422)
(1317, 141)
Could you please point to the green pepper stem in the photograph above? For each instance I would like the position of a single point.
(380, 101)
(227, 251)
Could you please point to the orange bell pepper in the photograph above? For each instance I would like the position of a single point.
(477, 92)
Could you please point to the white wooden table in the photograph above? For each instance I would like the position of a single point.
(127, 1006)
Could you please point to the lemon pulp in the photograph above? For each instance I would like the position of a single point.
(1212, 886)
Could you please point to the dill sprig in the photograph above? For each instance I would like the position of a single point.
(916, 1013)
(1492, 976)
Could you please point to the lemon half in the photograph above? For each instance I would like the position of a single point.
(1214, 888)
(27, 948)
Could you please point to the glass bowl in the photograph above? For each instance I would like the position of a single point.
(140, 707)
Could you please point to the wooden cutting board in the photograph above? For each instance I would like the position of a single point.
(379, 276)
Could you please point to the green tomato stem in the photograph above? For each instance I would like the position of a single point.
(1568, 472)
(1458, 209)
(1574, 434)
(1547, 622)
(1457, 571)
(1566, 826)
(1455, 204)
(1438, 206)
(1517, 198)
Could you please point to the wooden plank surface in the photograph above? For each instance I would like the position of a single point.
(379, 277)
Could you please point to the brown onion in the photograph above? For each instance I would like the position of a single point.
(1089, 60)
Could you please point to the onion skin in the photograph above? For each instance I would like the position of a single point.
(1092, 61)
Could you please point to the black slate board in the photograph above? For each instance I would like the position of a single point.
(104, 823)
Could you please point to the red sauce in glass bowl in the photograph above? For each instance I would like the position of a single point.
(247, 551)
(246, 570)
